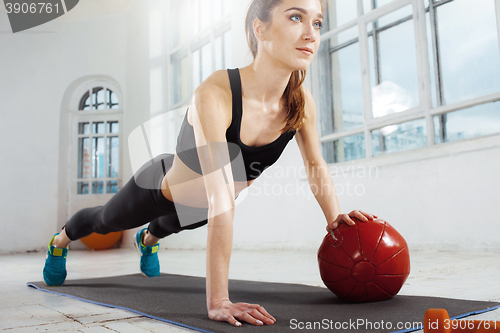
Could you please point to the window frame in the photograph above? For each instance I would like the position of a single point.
(216, 28)
(92, 116)
(424, 110)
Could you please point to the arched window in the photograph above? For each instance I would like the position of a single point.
(97, 150)
(102, 99)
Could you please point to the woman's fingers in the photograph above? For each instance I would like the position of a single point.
(362, 216)
(251, 319)
(233, 321)
(370, 216)
(347, 219)
(242, 312)
(221, 316)
(261, 314)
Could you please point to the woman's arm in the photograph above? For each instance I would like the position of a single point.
(318, 173)
(211, 115)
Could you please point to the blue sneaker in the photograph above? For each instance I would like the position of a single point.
(150, 265)
(54, 272)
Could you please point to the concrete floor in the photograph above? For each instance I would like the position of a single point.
(435, 272)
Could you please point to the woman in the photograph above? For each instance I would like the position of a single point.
(283, 36)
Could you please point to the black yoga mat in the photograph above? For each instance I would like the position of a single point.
(180, 300)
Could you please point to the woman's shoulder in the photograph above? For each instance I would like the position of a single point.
(216, 86)
(213, 96)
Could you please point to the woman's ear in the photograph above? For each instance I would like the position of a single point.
(259, 29)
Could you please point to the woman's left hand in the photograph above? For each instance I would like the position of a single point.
(346, 218)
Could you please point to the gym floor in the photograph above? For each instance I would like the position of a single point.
(434, 272)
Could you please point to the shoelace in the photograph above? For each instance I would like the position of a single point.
(57, 264)
(149, 259)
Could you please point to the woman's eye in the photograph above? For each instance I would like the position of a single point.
(295, 18)
(318, 25)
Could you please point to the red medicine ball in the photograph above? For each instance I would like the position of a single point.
(366, 262)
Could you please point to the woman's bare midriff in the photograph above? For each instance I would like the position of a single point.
(186, 187)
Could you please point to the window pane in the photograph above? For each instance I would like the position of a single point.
(180, 76)
(184, 79)
(206, 58)
(205, 13)
(98, 128)
(344, 92)
(112, 186)
(83, 128)
(196, 69)
(227, 6)
(113, 146)
(112, 100)
(181, 15)
(101, 99)
(395, 16)
(344, 36)
(380, 3)
(367, 6)
(98, 98)
(469, 56)
(84, 158)
(195, 21)
(218, 53)
(217, 9)
(228, 50)
(113, 127)
(98, 157)
(340, 12)
(82, 188)
(345, 149)
(398, 87)
(399, 137)
(97, 187)
(457, 124)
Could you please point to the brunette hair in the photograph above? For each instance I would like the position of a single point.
(262, 10)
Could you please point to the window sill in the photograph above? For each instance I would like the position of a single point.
(485, 142)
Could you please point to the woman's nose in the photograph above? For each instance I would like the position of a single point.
(309, 33)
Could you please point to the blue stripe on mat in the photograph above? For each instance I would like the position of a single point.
(456, 317)
(122, 308)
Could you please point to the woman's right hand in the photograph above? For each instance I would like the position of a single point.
(232, 312)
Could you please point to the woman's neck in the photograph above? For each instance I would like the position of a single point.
(265, 82)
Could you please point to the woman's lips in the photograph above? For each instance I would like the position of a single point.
(305, 50)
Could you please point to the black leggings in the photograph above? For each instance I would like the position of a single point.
(136, 205)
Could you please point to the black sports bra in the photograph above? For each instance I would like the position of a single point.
(255, 159)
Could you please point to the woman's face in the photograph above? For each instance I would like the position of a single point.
(292, 37)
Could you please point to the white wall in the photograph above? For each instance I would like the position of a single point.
(37, 67)
(443, 195)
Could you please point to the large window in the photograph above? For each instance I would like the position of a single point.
(200, 44)
(98, 142)
(395, 75)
